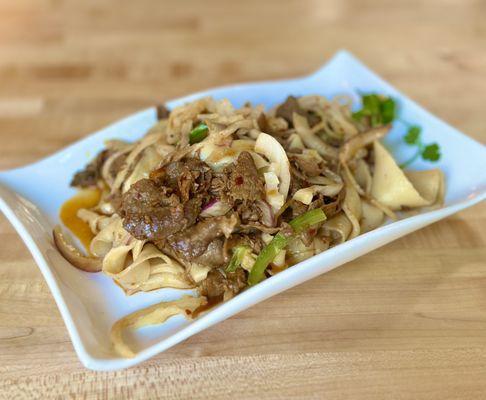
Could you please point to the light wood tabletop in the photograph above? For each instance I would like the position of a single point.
(406, 321)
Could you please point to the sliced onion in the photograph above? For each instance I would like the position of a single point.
(273, 150)
(306, 195)
(268, 217)
(215, 208)
(73, 255)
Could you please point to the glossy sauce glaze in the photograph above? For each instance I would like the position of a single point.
(212, 302)
(86, 198)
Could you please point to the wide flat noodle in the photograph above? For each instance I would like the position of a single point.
(96, 222)
(153, 315)
(362, 175)
(311, 140)
(198, 272)
(372, 217)
(143, 267)
(306, 195)
(338, 228)
(297, 251)
(352, 208)
(147, 163)
(147, 141)
(393, 188)
(106, 169)
(430, 185)
(110, 236)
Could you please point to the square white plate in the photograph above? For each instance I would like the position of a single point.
(31, 196)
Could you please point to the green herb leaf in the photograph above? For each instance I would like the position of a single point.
(198, 134)
(371, 102)
(379, 109)
(431, 152)
(413, 135)
(387, 109)
(358, 115)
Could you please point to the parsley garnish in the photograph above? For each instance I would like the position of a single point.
(429, 152)
(379, 110)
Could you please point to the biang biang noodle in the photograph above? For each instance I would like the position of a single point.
(218, 199)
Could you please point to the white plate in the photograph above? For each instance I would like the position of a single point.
(31, 196)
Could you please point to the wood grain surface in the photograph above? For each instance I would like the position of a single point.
(406, 321)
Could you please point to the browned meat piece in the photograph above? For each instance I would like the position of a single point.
(251, 240)
(287, 109)
(162, 112)
(263, 123)
(187, 178)
(117, 165)
(243, 182)
(215, 255)
(152, 212)
(218, 185)
(248, 212)
(291, 106)
(332, 206)
(219, 282)
(194, 241)
(90, 175)
(298, 180)
(307, 166)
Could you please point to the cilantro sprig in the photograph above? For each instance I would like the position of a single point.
(377, 110)
(428, 152)
(380, 110)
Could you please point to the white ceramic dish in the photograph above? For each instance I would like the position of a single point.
(31, 196)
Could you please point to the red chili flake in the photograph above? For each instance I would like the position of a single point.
(312, 231)
(239, 180)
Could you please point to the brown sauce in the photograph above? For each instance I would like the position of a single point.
(212, 302)
(86, 198)
(275, 269)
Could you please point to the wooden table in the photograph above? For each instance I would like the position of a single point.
(406, 321)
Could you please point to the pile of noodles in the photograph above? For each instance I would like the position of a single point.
(361, 175)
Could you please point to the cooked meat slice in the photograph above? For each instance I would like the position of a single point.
(162, 112)
(291, 106)
(298, 208)
(90, 175)
(152, 212)
(218, 185)
(287, 109)
(308, 166)
(214, 255)
(219, 282)
(195, 240)
(188, 177)
(214, 285)
(251, 240)
(117, 165)
(243, 182)
(298, 180)
(263, 123)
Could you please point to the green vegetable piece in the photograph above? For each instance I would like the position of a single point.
(306, 220)
(358, 115)
(431, 152)
(387, 109)
(381, 110)
(279, 242)
(371, 103)
(266, 256)
(237, 258)
(413, 135)
(198, 134)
